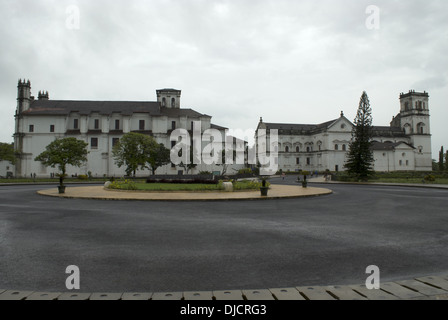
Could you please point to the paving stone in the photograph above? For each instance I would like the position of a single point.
(74, 296)
(105, 296)
(198, 295)
(136, 296)
(44, 296)
(228, 295)
(345, 293)
(260, 294)
(373, 294)
(286, 294)
(14, 295)
(167, 296)
(400, 291)
(421, 287)
(315, 293)
(435, 281)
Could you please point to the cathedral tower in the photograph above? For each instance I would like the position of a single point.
(415, 122)
(169, 98)
(23, 95)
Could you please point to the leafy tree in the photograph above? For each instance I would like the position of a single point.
(63, 152)
(159, 156)
(191, 162)
(446, 161)
(7, 152)
(441, 158)
(360, 159)
(134, 151)
(224, 163)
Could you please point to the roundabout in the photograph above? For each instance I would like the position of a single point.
(101, 193)
(179, 246)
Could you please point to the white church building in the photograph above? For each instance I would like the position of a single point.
(101, 124)
(405, 145)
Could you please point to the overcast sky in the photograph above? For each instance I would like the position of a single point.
(289, 61)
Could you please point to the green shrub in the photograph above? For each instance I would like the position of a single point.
(123, 185)
(245, 171)
(430, 178)
(83, 177)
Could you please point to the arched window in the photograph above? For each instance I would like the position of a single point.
(297, 149)
(336, 147)
(286, 149)
(163, 102)
(344, 147)
(308, 149)
(173, 103)
(421, 128)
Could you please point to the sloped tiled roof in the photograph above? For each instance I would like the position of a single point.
(376, 145)
(65, 107)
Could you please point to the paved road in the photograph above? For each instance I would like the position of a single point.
(158, 246)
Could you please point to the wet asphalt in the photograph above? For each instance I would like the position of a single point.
(181, 246)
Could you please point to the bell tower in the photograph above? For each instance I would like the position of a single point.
(169, 98)
(23, 95)
(415, 122)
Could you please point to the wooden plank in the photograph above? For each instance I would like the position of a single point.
(228, 295)
(287, 294)
(15, 295)
(315, 293)
(198, 295)
(435, 281)
(105, 296)
(44, 296)
(373, 294)
(136, 296)
(167, 296)
(74, 296)
(259, 294)
(425, 289)
(345, 293)
(400, 291)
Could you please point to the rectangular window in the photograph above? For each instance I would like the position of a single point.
(141, 125)
(52, 128)
(407, 162)
(94, 143)
(75, 124)
(297, 160)
(115, 141)
(117, 124)
(97, 124)
(400, 162)
(31, 128)
(173, 125)
(308, 161)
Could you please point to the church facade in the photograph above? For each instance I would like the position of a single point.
(404, 145)
(101, 124)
